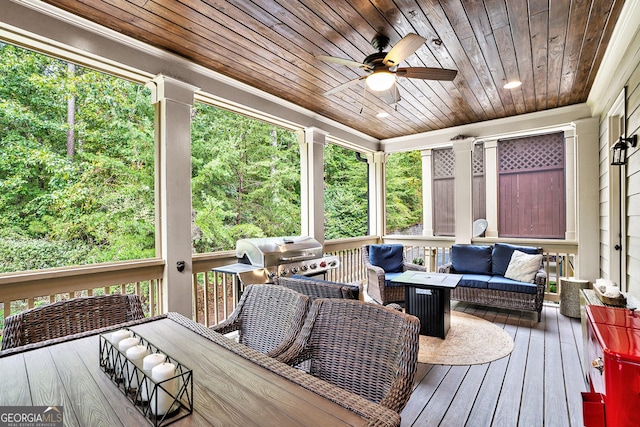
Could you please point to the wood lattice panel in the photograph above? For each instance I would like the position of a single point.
(531, 153)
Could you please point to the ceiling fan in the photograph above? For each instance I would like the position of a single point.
(382, 67)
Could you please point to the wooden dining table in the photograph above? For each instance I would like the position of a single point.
(233, 385)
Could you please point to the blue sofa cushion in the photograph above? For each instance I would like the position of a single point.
(388, 277)
(501, 256)
(388, 257)
(503, 284)
(475, 281)
(475, 259)
(354, 289)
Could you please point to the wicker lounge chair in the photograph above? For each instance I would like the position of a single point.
(314, 288)
(364, 348)
(268, 318)
(378, 286)
(68, 317)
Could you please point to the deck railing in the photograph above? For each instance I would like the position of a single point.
(216, 294)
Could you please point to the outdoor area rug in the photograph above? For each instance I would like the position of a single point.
(470, 341)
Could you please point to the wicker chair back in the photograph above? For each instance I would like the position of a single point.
(69, 317)
(364, 348)
(267, 318)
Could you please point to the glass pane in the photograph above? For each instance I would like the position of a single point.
(245, 179)
(77, 173)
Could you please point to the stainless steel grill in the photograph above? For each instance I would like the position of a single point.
(282, 256)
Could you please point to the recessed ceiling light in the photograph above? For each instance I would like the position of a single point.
(382, 114)
(512, 84)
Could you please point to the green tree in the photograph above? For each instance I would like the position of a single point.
(245, 178)
(345, 196)
(404, 191)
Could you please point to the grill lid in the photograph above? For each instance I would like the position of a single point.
(272, 251)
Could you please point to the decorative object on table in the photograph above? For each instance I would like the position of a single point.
(471, 341)
(68, 317)
(383, 263)
(160, 387)
(570, 295)
(364, 348)
(267, 318)
(609, 293)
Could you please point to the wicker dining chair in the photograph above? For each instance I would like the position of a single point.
(364, 348)
(379, 286)
(68, 317)
(267, 318)
(314, 288)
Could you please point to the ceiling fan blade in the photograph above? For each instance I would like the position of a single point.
(343, 86)
(427, 73)
(390, 96)
(342, 61)
(403, 49)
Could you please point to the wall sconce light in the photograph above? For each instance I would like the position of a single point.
(619, 150)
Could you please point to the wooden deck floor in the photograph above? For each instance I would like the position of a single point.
(538, 384)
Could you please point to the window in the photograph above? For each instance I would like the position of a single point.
(78, 164)
(531, 186)
(345, 194)
(245, 179)
(404, 193)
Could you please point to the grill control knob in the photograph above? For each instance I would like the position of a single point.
(304, 268)
(333, 263)
(294, 270)
(313, 266)
(323, 264)
(284, 272)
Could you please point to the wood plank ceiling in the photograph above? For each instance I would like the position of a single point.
(553, 46)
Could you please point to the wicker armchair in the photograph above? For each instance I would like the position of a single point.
(378, 286)
(314, 288)
(69, 317)
(364, 348)
(268, 318)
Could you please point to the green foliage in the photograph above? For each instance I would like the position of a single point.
(345, 195)
(404, 191)
(90, 202)
(245, 179)
(77, 172)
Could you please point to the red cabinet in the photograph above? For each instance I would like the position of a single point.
(613, 349)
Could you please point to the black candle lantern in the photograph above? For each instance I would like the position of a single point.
(619, 150)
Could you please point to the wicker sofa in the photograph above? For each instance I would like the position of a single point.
(483, 270)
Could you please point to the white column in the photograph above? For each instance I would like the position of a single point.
(587, 264)
(571, 178)
(491, 186)
(312, 183)
(427, 193)
(173, 101)
(463, 151)
(377, 193)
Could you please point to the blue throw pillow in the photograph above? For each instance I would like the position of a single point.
(502, 256)
(474, 259)
(388, 257)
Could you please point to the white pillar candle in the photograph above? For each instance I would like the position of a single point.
(161, 401)
(115, 339)
(118, 336)
(135, 355)
(147, 365)
(123, 346)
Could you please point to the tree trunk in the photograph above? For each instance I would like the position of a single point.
(71, 117)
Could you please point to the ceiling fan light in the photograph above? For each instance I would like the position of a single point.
(381, 80)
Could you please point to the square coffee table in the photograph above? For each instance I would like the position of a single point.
(426, 296)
